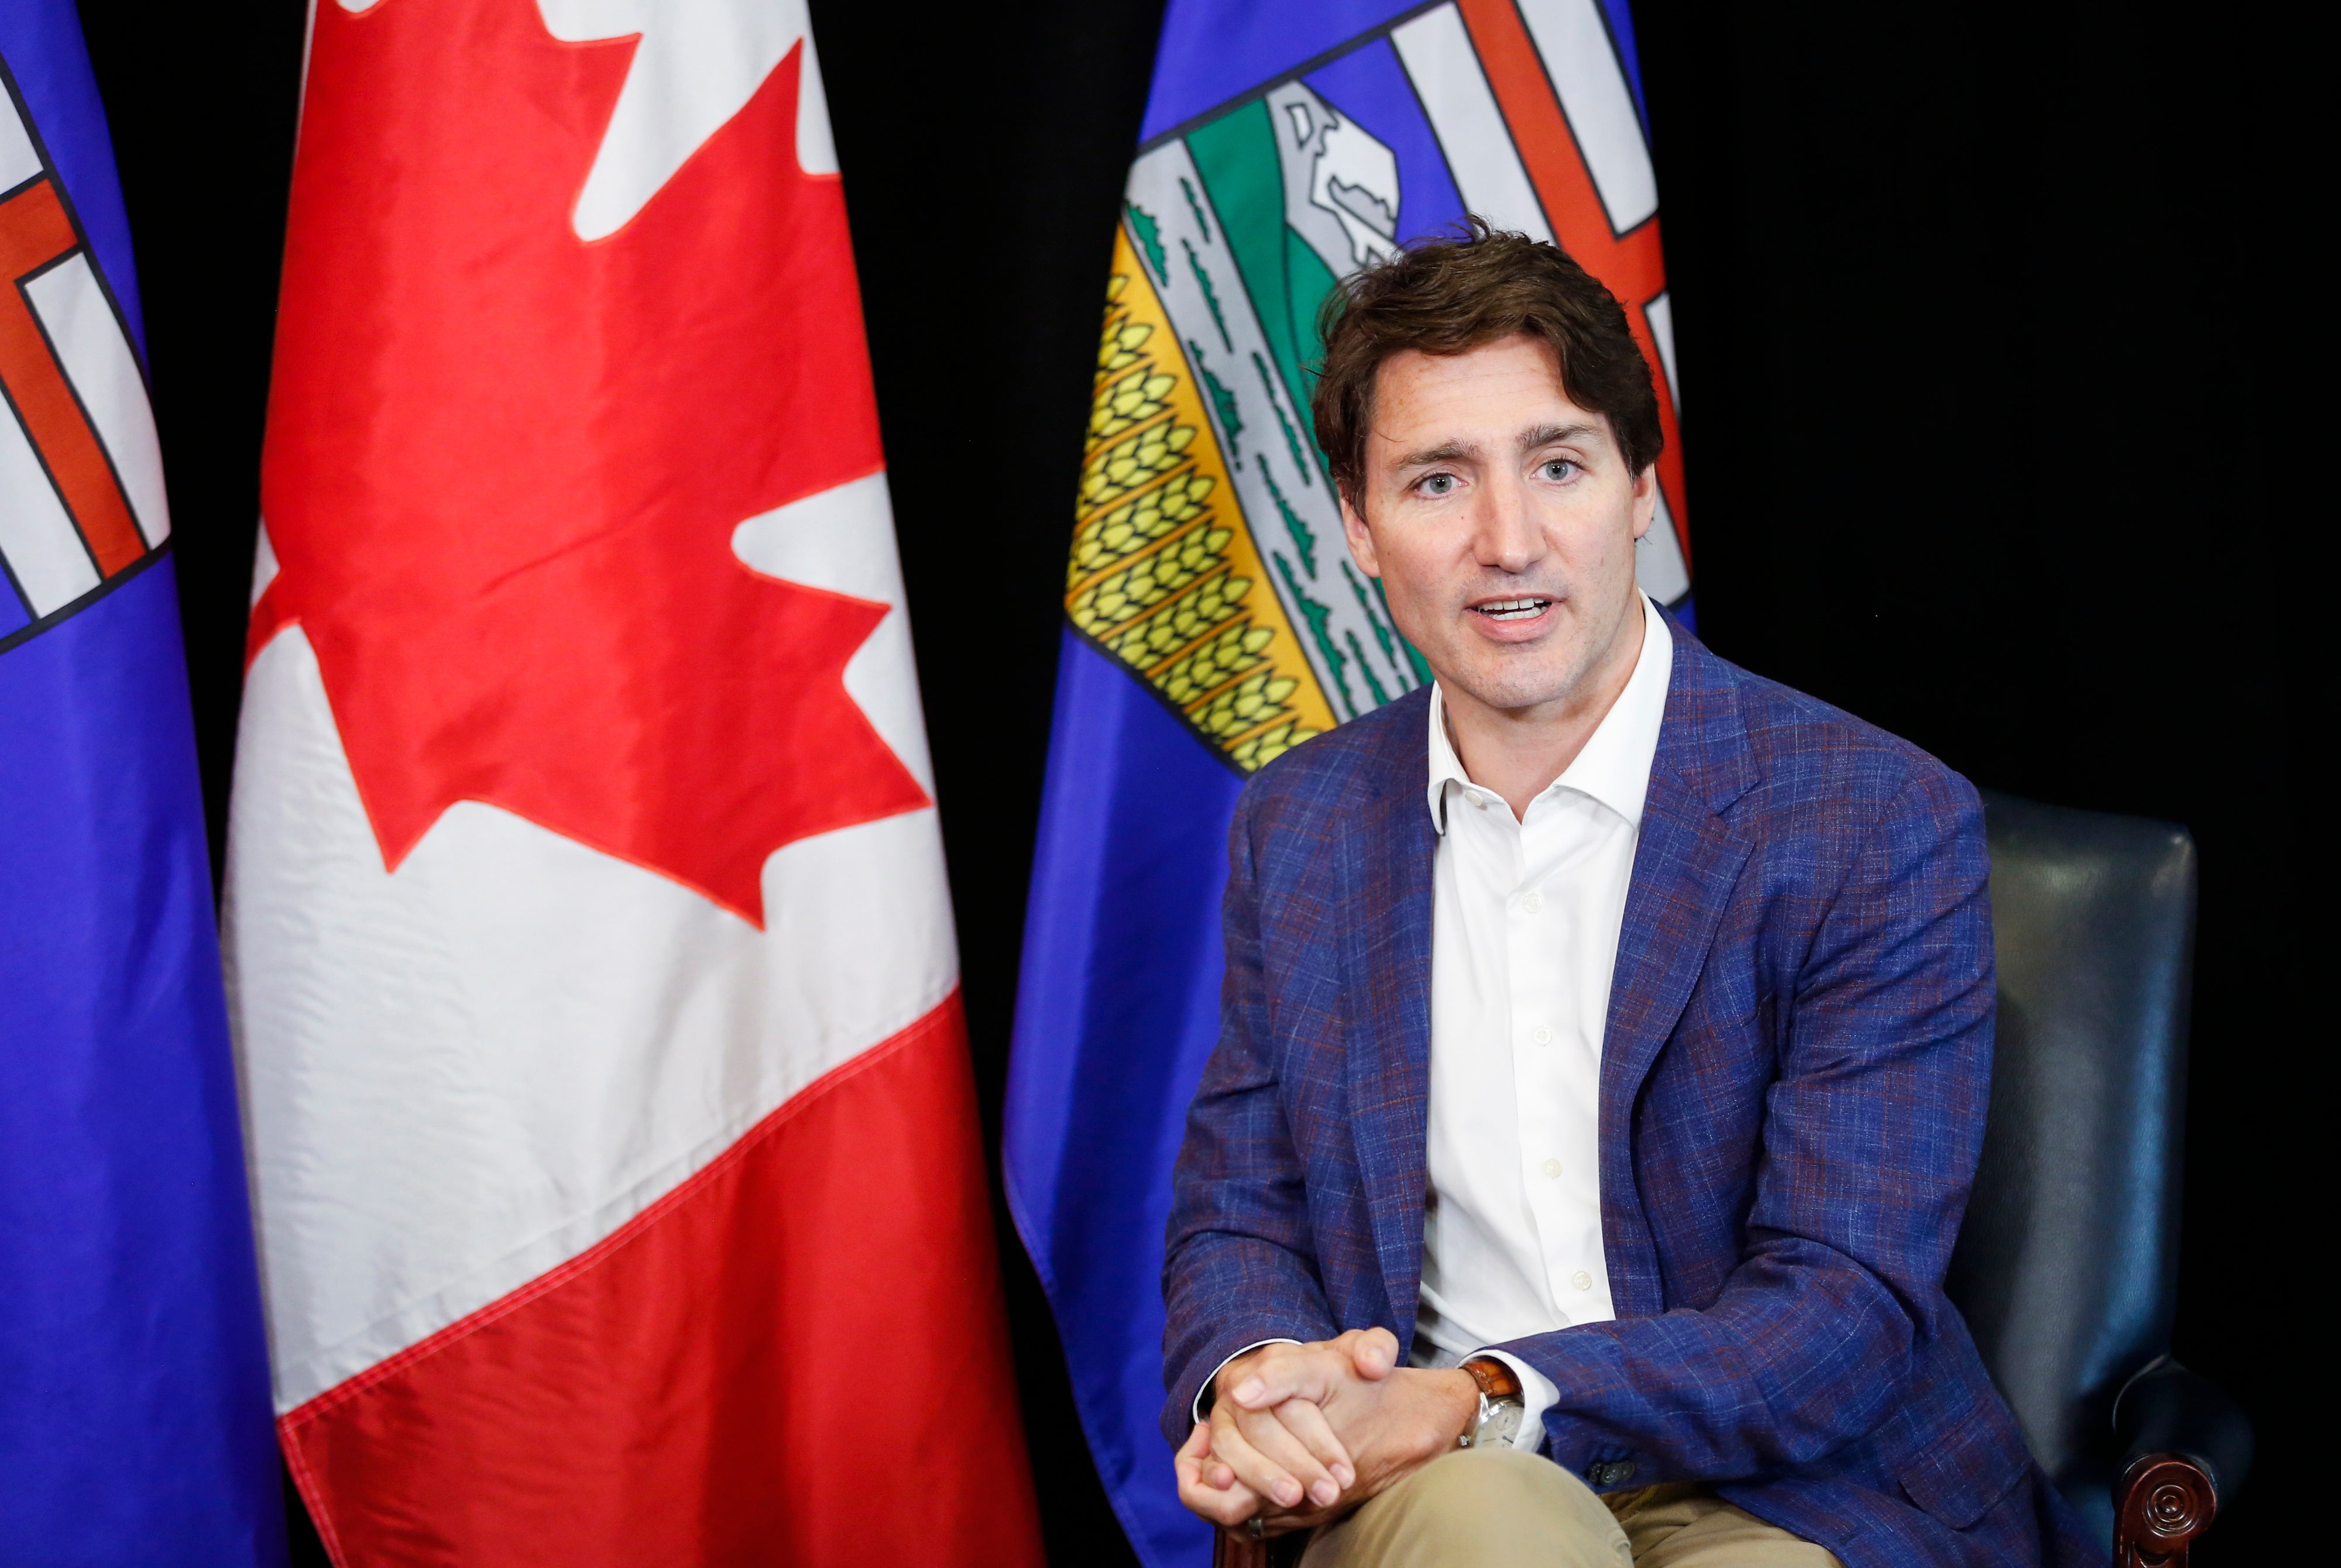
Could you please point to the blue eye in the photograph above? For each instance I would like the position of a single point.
(1437, 483)
(1558, 469)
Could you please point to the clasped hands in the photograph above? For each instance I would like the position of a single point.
(1299, 1434)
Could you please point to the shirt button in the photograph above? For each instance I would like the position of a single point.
(1543, 1036)
(1531, 902)
(1552, 1168)
(1581, 1280)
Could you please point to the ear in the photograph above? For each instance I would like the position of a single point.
(1361, 539)
(1646, 499)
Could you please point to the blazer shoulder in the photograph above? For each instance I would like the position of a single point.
(1812, 754)
(1386, 749)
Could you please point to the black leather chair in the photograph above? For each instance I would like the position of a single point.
(2067, 1265)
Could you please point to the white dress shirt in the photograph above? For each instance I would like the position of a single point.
(1525, 919)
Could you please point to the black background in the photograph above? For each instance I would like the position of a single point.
(1985, 316)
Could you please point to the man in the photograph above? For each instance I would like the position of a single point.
(1574, 1178)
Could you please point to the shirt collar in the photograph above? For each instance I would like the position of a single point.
(1614, 765)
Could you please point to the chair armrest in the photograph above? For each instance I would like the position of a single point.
(2186, 1449)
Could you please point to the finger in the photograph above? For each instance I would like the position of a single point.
(1281, 1446)
(1309, 1373)
(1249, 1379)
(1375, 1353)
(1314, 1432)
(1252, 1468)
(1352, 1342)
(1215, 1471)
(1228, 1506)
(1195, 1458)
(1233, 1375)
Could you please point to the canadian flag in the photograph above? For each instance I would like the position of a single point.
(615, 1150)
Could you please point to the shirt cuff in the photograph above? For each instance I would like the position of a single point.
(1539, 1394)
(1207, 1394)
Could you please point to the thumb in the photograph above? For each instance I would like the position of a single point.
(1375, 1353)
(1313, 1374)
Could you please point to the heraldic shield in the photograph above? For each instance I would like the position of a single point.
(1208, 556)
(80, 466)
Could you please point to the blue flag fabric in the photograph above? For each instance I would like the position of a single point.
(135, 1420)
(1213, 617)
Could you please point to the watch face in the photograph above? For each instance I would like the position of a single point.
(1498, 1424)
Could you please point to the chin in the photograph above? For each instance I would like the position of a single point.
(1507, 684)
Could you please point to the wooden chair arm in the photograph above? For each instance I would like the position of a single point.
(2163, 1502)
(1232, 1549)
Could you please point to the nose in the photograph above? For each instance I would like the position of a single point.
(1507, 536)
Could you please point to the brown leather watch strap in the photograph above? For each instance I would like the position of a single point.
(1496, 1379)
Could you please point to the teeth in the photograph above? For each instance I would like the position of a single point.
(1514, 609)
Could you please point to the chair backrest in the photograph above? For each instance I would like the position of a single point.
(2066, 1266)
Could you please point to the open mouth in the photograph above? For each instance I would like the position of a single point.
(1512, 609)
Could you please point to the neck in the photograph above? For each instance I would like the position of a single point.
(1518, 752)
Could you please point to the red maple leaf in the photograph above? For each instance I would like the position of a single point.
(504, 464)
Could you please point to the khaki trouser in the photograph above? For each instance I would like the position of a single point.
(1500, 1508)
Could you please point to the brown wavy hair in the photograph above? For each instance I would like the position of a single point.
(1451, 295)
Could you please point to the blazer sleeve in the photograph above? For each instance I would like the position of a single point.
(1871, 1135)
(1240, 1266)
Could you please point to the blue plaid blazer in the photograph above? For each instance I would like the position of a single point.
(1793, 1088)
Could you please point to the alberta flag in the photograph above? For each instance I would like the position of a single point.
(133, 1381)
(1214, 617)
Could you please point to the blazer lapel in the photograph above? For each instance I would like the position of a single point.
(1386, 870)
(1686, 865)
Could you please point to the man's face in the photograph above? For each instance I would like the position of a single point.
(1501, 519)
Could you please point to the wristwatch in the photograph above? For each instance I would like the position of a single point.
(1501, 1404)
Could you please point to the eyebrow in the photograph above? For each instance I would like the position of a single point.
(1530, 439)
(1547, 434)
(1445, 452)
